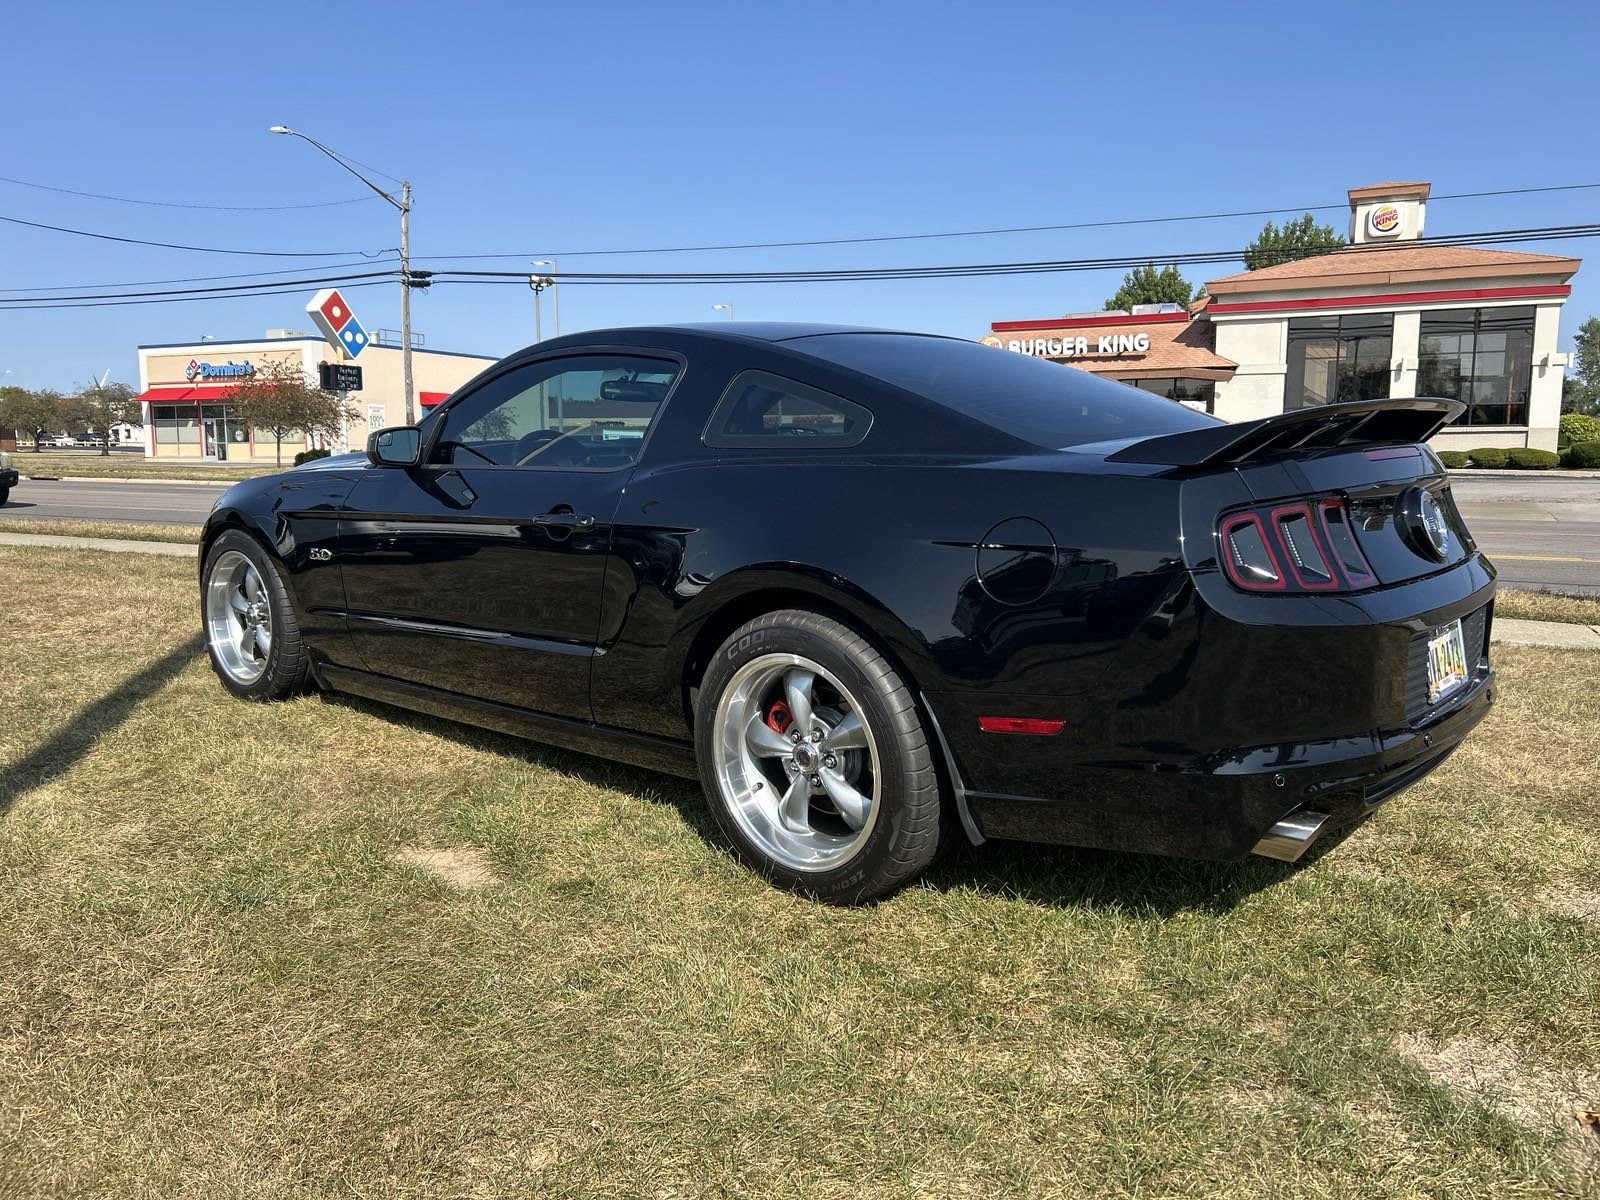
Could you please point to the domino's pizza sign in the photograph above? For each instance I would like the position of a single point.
(338, 324)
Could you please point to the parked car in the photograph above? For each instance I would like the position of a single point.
(59, 441)
(880, 590)
(8, 476)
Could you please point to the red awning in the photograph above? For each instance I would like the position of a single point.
(204, 394)
(429, 399)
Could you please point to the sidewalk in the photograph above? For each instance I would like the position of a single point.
(116, 545)
(1560, 634)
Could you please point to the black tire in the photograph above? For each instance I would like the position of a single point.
(5, 494)
(288, 664)
(910, 826)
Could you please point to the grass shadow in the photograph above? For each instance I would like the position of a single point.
(70, 744)
(1051, 876)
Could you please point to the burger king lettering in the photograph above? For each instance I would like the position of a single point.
(1077, 347)
(1384, 219)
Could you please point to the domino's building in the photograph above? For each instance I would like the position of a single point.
(185, 386)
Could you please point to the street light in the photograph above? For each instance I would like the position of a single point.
(555, 290)
(403, 204)
(727, 308)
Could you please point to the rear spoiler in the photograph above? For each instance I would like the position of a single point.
(1324, 427)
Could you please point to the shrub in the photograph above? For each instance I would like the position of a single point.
(306, 456)
(1583, 454)
(1526, 458)
(1487, 457)
(1576, 427)
(1453, 458)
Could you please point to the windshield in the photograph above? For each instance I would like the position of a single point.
(1044, 403)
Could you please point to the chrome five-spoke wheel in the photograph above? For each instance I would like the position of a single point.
(238, 618)
(796, 763)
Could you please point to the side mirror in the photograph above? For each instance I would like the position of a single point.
(397, 447)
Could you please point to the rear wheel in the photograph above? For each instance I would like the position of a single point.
(814, 759)
(5, 494)
(252, 637)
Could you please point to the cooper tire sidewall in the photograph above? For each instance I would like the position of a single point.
(852, 875)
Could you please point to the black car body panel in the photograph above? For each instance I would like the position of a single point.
(1002, 577)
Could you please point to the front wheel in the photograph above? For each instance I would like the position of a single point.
(252, 636)
(5, 494)
(814, 759)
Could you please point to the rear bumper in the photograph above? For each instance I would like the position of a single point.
(1223, 809)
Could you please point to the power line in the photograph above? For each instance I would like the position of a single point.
(968, 270)
(133, 283)
(45, 187)
(826, 275)
(111, 237)
(9, 306)
(965, 233)
(239, 288)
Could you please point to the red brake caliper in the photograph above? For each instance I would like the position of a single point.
(778, 717)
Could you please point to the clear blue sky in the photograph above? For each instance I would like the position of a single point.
(548, 128)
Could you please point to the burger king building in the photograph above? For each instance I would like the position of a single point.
(1387, 316)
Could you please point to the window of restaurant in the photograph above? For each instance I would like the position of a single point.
(1333, 359)
(1200, 394)
(175, 424)
(1482, 357)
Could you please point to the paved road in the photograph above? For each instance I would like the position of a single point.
(113, 500)
(1540, 532)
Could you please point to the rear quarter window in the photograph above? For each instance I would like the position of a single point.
(762, 409)
(1043, 403)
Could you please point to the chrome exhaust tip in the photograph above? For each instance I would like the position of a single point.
(1291, 837)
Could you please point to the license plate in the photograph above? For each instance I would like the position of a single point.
(1447, 662)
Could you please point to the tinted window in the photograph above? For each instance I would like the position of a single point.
(759, 409)
(1334, 359)
(1483, 356)
(585, 411)
(1040, 402)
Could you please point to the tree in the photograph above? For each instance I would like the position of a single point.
(102, 405)
(1146, 285)
(1297, 239)
(30, 412)
(1580, 393)
(280, 400)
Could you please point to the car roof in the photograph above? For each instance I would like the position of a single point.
(759, 331)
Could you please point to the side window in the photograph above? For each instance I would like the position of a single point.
(760, 409)
(583, 411)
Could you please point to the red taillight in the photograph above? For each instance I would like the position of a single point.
(1298, 529)
(1035, 725)
(1342, 540)
(1247, 554)
(1307, 546)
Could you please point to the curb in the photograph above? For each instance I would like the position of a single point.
(1506, 473)
(55, 541)
(222, 483)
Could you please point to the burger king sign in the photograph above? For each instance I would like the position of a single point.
(1384, 220)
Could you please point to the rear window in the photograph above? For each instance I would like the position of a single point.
(1044, 403)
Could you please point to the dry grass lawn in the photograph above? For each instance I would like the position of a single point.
(327, 949)
(1548, 606)
(86, 464)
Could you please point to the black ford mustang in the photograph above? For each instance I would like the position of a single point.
(880, 590)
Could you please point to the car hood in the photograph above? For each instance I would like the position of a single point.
(335, 462)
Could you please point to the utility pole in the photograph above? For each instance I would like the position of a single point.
(555, 289)
(403, 203)
(405, 298)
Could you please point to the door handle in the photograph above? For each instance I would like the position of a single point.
(566, 520)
